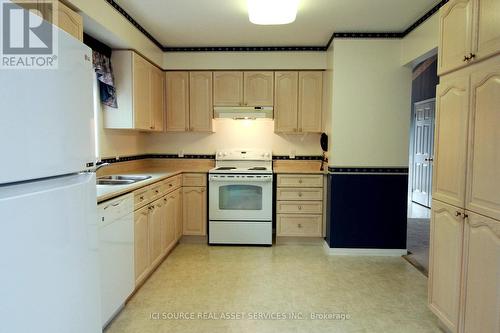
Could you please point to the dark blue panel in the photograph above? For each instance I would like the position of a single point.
(367, 211)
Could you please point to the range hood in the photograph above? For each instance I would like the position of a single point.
(243, 112)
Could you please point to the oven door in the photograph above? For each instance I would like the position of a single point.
(240, 197)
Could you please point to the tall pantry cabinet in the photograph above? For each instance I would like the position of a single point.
(464, 270)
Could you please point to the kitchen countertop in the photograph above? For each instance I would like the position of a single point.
(106, 192)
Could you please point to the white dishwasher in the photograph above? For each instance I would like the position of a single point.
(116, 250)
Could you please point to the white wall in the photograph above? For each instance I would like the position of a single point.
(371, 104)
(244, 60)
(421, 42)
(234, 134)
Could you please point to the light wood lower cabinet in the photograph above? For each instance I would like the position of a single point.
(141, 244)
(445, 258)
(299, 205)
(194, 211)
(482, 275)
(157, 218)
(156, 215)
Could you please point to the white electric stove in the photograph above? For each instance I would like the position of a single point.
(241, 198)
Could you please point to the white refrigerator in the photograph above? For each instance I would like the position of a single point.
(49, 269)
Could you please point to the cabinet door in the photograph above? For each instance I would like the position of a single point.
(445, 262)
(228, 88)
(177, 101)
(259, 89)
(455, 24)
(70, 21)
(286, 102)
(450, 152)
(483, 181)
(170, 221)
(487, 33)
(310, 101)
(157, 100)
(194, 210)
(141, 90)
(482, 275)
(155, 222)
(141, 244)
(67, 19)
(200, 101)
(179, 203)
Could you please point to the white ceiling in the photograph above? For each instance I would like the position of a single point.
(184, 23)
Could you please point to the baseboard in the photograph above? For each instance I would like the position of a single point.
(287, 240)
(363, 252)
(187, 239)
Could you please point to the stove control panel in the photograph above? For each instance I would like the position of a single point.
(241, 155)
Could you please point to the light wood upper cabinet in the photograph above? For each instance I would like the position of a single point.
(177, 101)
(141, 91)
(483, 181)
(286, 101)
(69, 21)
(446, 236)
(156, 216)
(141, 243)
(469, 32)
(228, 88)
(455, 23)
(450, 152)
(200, 101)
(310, 101)
(258, 89)
(487, 34)
(66, 18)
(157, 98)
(298, 102)
(482, 275)
(194, 200)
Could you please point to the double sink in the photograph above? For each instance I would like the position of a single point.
(120, 179)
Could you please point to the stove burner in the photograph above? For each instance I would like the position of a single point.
(225, 168)
(258, 168)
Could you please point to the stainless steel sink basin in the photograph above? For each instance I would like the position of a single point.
(120, 179)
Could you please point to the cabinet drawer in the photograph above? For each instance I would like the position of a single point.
(155, 191)
(141, 197)
(300, 180)
(299, 207)
(299, 225)
(194, 179)
(171, 184)
(315, 194)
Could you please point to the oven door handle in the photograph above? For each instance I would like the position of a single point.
(241, 180)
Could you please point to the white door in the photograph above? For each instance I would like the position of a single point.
(47, 116)
(49, 256)
(423, 150)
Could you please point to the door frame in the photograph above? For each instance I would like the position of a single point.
(412, 143)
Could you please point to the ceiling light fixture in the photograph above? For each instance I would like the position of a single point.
(272, 12)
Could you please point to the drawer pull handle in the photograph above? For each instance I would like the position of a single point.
(300, 194)
(458, 214)
(156, 191)
(141, 198)
(300, 181)
(165, 199)
(300, 207)
(299, 225)
(170, 185)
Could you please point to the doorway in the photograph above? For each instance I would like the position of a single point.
(421, 150)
